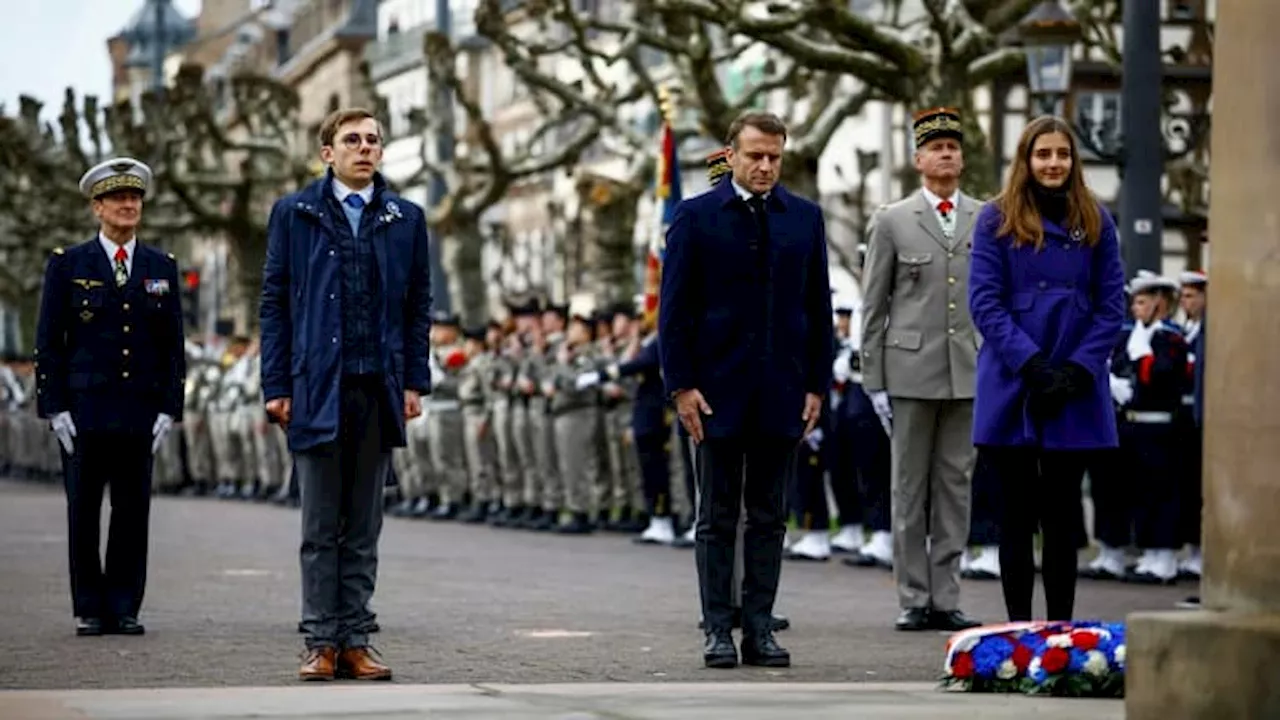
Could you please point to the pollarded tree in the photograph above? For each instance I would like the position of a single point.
(485, 173)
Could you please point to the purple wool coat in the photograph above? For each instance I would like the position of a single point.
(1065, 301)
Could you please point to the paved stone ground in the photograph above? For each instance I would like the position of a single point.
(581, 701)
(458, 604)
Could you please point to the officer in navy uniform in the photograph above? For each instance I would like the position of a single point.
(861, 463)
(1193, 301)
(111, 367)
(1151, 374)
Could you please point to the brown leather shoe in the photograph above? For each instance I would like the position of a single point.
(319, 664)
(362, 664)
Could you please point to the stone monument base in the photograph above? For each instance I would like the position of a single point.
(1202, 665)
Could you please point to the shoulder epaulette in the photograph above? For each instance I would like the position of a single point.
(58, 251)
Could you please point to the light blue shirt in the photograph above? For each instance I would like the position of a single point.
(341, 192)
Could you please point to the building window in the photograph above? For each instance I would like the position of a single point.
(1098, 118)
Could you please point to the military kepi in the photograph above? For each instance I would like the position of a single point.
(936, 123)
(114, 175)
(718, 165)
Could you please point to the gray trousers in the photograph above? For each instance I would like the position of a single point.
(932, 468)
(341, 485)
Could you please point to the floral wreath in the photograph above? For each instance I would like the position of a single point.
(1076, 659)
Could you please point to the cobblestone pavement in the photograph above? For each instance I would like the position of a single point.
(457, 604)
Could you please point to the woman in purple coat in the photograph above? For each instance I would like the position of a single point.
(1046, 291)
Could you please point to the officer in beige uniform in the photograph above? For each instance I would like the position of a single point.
(199, 393)
(473, 395)
(919, 356)
(506, 464)
(619, 396)
(573, 405)
(519, 348)
(445, 431)
(543, 353)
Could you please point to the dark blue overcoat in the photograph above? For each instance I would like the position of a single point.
(1066, 301)
(748, 323)
(301, 320)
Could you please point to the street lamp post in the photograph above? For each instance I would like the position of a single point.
(1048, 34)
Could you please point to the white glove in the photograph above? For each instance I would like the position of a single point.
(1139, 344)
(884, 409)
(65, 429)
(1121, 390)
(814, 439)
(841, 369)
(163, 425)
(586, 380)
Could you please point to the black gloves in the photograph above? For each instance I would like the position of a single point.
(1051, 387)
(1077, 379)
(1041, 376)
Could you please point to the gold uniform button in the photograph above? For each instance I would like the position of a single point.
(126, 352)
(126, 328)
(951, 306)
(951, 281)
(125, 374)
(126, 306)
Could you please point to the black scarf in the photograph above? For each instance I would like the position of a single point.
(1051, 202)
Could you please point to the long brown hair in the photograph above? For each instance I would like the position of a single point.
(1017, 202)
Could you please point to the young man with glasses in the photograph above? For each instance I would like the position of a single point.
(345, 317)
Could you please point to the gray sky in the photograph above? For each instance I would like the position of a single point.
(46, 45)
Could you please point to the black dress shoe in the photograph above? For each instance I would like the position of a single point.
(127, 626)
(952, 621)
(761, 650)
(718, 651)
(88, 627)
(912, 620)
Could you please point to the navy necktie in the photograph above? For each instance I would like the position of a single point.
(354, 200)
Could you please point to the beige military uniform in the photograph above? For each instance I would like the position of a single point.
(919, 346)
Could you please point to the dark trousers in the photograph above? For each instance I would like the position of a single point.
(987, 504)
(733, 473)
(808, 494)
(1149, 462)
(120, 462)
(655, 472)
(690, 472)
(860, 477)
(342, 486)
(1041, 492)
(1191, 472)
(1109, 488)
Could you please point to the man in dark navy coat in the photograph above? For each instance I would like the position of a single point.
(346, 305)
(110, 371)
(745, 336)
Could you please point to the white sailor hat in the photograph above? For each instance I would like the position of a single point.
(1191, 277)
(122, 173)
(1147, 281)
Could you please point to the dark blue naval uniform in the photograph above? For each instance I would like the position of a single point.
(113, 358)
(1134, 490)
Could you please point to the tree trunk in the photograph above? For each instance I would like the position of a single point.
(800, 175)
(609, 226)
(249, 253)
(28, 308)
(463, 249)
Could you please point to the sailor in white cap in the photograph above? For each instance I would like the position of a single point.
(1156, 352)
(1192, 299)
(110, 352)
